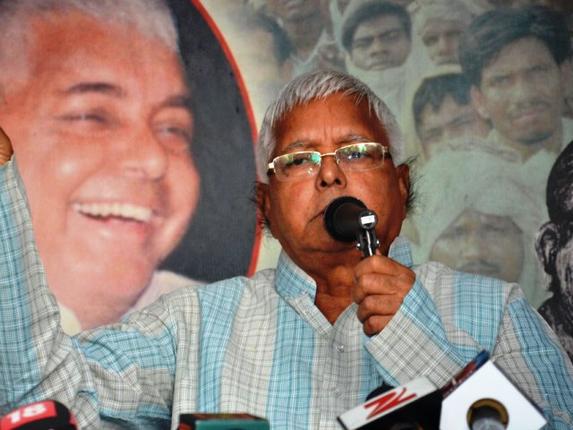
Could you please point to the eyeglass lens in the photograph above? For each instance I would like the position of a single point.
(358, 156)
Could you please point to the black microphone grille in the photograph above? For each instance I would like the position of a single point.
(341, 218)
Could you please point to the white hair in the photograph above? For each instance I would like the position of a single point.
(152, 18)
(317, 86)
(447, 10)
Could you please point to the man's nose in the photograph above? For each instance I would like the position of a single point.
(471, 245)
(523, 89)
(143, 156)
(444, 45)
(330, 174)
(377, 45)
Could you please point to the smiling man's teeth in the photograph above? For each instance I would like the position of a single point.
(120, 210)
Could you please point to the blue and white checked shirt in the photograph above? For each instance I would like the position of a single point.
(257, 345)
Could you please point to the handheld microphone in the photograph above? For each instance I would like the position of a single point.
(221, 421)
(347, 219)
(45, 415)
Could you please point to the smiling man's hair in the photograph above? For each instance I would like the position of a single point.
(151, 18)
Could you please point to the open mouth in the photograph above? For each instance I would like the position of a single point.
(122, 211)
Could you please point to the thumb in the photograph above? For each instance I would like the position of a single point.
(6, 150)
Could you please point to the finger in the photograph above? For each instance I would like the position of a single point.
(381, 305)
(378, 264)
(375, 324)
(374, 283)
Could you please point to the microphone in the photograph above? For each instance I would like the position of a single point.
(479, 397)
(48, 414)
(222, 421)
(347, 219)
(485, 399)
(413, 406)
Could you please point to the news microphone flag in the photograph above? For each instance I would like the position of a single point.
(48, 414)
(222, 421)
(489, 388)
(416, 404)
(480, 396)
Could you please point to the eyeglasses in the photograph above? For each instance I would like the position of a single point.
(356, 157)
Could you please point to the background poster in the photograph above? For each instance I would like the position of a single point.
(482, 89)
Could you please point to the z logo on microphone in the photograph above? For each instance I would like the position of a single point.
(388, 401)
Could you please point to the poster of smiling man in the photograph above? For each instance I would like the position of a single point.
(129, 142)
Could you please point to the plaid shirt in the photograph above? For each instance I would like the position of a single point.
(257, 345)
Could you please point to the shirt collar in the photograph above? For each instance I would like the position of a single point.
(291, 281)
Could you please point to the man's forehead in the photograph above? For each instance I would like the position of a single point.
(76, 41)
(519, 53)
(440, 25)
(336, 102)
(357, 121)
(378, 24)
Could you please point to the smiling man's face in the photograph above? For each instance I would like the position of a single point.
(101, 128)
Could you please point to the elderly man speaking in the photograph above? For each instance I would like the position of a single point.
(300, 344)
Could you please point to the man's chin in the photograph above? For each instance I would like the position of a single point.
(378, 67)
(535, 137)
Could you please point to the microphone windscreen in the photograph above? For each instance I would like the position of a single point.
(342, 218)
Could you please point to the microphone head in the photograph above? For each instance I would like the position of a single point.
(342, 218)
(222, 421)
(47, 414)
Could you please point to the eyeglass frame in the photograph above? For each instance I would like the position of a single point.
(385, 153)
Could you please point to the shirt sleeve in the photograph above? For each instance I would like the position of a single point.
(108, 377)
(415, 343)
(530, 354)
(437, 341)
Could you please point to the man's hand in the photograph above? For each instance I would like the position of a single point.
(380, 287)
(5, 148)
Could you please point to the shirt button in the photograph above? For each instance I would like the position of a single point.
(340, 347)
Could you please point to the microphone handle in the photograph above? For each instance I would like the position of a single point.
(366, 240)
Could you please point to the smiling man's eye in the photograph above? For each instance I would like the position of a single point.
(176, 131)
(174, 136)
(96, 117)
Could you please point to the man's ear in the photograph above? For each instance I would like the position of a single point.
(263, 204)
(404, 184)
(478, 102)
(546, 245)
